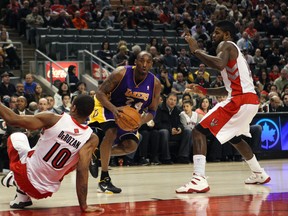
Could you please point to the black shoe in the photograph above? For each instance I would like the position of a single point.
(106, 186)
(155, 162)
(95, 163)
(144, 161)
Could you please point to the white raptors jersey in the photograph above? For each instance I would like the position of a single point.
(237, 76)
(56, 153)
(189, 122)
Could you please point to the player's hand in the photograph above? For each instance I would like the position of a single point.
(195, 88)
(117, 112)
(193, 45)
(94, 209)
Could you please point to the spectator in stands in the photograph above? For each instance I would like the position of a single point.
(187, 73)
(284, 90)
(183, 57)
(106, 22)
(263, 80)
(103, 3)
(234, 14)
(29, 84)
(78, 22)
(250, 30)
(81, 89)
(167, 121)
(275, 104)
(63, 20)
(149, 17)
(22, 14)
(73, 7)
(47, 19)
(3, 66)
(12, 13)
(196, 26)
(166, 80)
(34, 20)
(275, 58)
(179, 86)
(72, 79)
(62, 90)
(136, 49)
(275, 30)
(206, 75)
(153, 42)
(274, 74)
(105, 53)
(13, 102)
(169, 59)
(10, 52)
(249, 58)
(51, 104)
(165, 44)
(20, 92)
(42, 105)
(259, 24)
(6, 88)
(260, 62)
(57, 7)
(282, 80)
(199, 34)
(157, 58)
(66, 103)
(121, 58)
(284, 108)
(38, 93)
(244, 42)
(218, 82)
(165, 17)
(204, 106)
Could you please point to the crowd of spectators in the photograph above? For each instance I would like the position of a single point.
(262, 38)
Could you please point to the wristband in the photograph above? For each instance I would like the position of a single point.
(152, 112)
(203, 90)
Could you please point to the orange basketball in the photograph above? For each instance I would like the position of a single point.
(129, 120)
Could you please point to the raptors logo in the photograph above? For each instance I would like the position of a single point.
(214, 122)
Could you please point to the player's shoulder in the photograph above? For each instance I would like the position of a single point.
(49, 119)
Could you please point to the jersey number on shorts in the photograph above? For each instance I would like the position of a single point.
(60, 158)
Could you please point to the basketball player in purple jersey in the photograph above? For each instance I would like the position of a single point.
(129, 85)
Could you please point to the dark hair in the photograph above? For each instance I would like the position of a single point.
(71, 68)
(227, 26)
(187, 102)
(60, 91)
(102, 45)
(84, 105)
(63, 95)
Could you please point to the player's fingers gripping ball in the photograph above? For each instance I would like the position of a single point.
(129, 119)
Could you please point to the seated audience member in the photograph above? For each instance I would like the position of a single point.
(105, 53)
(34, 20)
(281, 81)
(179, 85)
(3, 66)
(275, 104)
(66, 103)
(81, 89)
(284, 108)
(166, 80)
(204, 106)
(20, 92)
(148, 148)
(78, 22)
(29, 84)
(6, 88)
(62, 90)
(38, 93)
(206, 75)
(121, 58)
(167, 121)
(42, 105)
(32, 107)
(51, 104)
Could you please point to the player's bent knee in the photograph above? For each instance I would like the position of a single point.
(129, 146)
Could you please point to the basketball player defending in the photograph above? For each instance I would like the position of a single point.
(65, 144)
(230, 119)
(129, 85)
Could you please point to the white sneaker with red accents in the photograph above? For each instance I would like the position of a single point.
(258, 178)
(198, 184)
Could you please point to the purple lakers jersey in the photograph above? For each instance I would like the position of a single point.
(135, 95)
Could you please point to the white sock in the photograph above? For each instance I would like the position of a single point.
(199, 164)
(254, 164)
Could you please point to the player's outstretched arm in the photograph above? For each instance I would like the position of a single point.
(30, 122)
(195, 88)
(82, 174)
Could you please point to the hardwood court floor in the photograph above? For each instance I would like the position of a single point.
(150, 190)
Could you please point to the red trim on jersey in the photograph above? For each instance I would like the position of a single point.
(235, 83)
(79, 125)
(20, 173)
(216, 120)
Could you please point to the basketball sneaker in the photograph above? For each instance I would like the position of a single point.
(21, 200)
(258, 178)
(198, 184)
(106, 186)
(95, 163)
(8, 180)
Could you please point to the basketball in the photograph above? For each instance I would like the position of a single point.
(129, 119)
